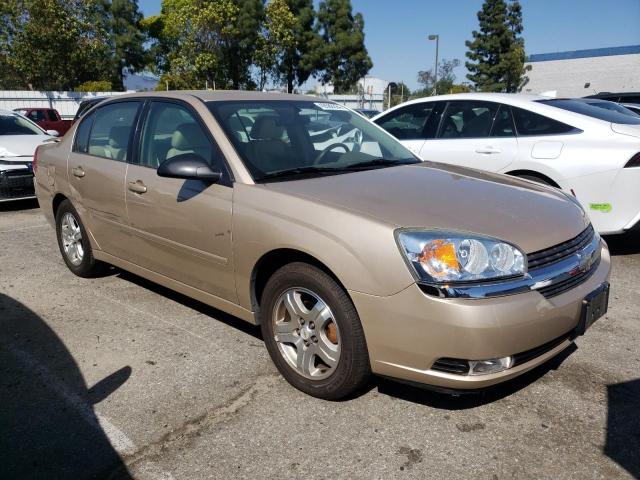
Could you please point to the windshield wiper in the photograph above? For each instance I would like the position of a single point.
(300, 171)
(378, 162)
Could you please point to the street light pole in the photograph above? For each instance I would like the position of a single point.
(435, 78)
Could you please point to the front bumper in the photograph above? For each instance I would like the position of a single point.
(407, 332)
(16, 184)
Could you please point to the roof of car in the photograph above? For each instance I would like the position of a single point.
(509, 97)
(223, 95)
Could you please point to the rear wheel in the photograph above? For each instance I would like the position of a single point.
(74, 243)
(313, 333)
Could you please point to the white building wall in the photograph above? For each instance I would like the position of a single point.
(614, 73)
(66, 103)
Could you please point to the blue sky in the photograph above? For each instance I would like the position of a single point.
(396, 31)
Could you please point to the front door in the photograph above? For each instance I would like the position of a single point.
(474, 134)
(180, 228)
(97, 169)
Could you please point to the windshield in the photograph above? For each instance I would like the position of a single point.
(600, 109)
(11, 124)
(284, 139)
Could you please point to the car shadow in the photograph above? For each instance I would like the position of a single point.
(463, 401)
(16, 205)
(48, 428)
(623, 425)
(625, 244)
(189, 302)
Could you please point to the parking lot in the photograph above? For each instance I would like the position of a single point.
(118, 377)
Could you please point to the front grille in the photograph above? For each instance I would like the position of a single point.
(524, 357)
(451, 365)
(16, 184)
(559, 252)
(569, 283)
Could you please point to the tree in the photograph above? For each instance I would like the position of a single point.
(399, 93)
(190, 38)
(343, 57)
(496, 52)
(128, 39)
(9, 17)
(300, 59)
(59, 44)
(276, 42)
(446, 78)
(238, 47)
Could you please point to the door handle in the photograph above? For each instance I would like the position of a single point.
(78, 172)
(488, 150)
(137, 187)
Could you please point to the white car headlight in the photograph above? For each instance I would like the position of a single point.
(448, 257)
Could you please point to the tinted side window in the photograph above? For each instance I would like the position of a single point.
(36, 115)
(503, 123)
(52, 115)
(171, 130)
(467, 119)
(112, 127)
(407, 123)
(529, 123)
(81, 144)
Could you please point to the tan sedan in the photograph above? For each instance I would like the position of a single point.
(354, 257)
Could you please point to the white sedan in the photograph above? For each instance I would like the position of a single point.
(587, 151)
(19, 138)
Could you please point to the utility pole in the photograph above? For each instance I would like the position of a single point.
(435, 71)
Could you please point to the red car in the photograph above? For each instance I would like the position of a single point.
(47, 118)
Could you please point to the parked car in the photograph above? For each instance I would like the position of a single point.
(608, 105)
(621, 97)
(367, 112)
(47, 118)
(19, 138)
(634, 107)
(85, 105)
(585, 150)
(353, 258)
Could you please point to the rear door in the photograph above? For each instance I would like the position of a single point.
(474, 134)
(97, 171)
(409, 124)
(180, 228)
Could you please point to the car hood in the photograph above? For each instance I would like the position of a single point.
(12, 146)
(438, 196)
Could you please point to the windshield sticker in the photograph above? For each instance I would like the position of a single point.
(601, 207)
(330, 106)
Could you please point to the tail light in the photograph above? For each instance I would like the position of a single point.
(634, 162)
(35, 160)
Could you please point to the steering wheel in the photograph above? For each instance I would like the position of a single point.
(324, 152)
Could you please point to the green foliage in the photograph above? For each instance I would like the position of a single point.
(277, 40)
(446, 78)
(399, 93)
(94, 86)
(9, 19)
(128, 38)
(343, 57)
(190, 37)
(496, 52)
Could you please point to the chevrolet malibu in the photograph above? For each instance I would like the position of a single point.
(354, 257)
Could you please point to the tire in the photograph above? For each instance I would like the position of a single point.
(80, 258)
(336, 370)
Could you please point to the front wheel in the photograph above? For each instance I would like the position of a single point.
(313, 333)
(74, 243)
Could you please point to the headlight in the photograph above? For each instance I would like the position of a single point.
(446, 257)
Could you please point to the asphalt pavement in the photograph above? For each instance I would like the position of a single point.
(118, 378)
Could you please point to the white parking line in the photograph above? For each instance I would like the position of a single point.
(24, 228)
(118, 439)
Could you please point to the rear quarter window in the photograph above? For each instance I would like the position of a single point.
(591, 110)
(530, 124)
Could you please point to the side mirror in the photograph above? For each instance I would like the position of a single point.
(53, 133)
(190, 167)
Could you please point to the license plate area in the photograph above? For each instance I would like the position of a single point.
(594, 306)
